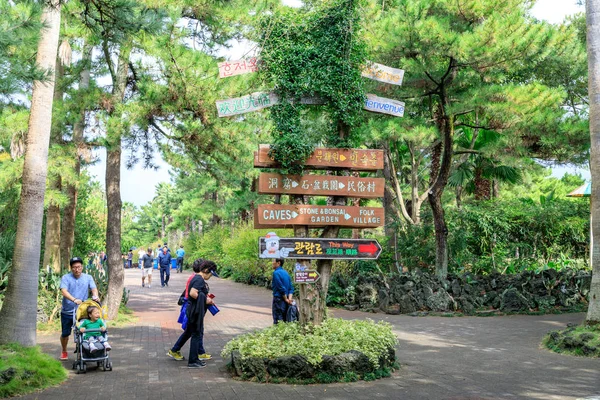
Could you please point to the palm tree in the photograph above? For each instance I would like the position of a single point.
(593, 49)
(479, 167)
(19, 312)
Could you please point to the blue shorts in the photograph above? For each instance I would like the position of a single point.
(66, 322)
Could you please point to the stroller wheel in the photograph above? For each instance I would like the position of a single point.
(109, 365)
(78, 369)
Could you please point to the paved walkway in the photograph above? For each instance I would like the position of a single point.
(441, 358)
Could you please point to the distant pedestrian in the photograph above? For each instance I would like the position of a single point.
(141, 254)
(164, 263)
(180, 254)
(282, 291)
(147, 260)
(130, 259)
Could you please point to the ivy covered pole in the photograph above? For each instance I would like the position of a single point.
(316, 52)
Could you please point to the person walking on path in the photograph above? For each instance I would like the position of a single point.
(75, 287)
(198, 300)
(146, 261)
(180, 253)
(164, 263)
(282, 291)
(130, 259)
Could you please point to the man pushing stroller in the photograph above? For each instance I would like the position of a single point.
(75, 287)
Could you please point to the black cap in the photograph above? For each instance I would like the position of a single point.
(214, 273)
(75, 260)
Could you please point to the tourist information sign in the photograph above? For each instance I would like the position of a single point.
(329, 158)
(272, 246)
(279, 215)
(321, 185)
(307, 276)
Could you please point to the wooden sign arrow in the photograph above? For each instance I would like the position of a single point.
(329, 158)
(321, 185)
(293, 214)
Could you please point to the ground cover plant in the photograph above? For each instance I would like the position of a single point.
(576, 340)
(364, 350)
(27, 369)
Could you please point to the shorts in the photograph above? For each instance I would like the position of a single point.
(146, 272)
(66, 322)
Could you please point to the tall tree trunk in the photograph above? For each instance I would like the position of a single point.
(19, 312)
(483, 186)
(116, 273)
(593, 50)
(52, 239)
(446, 126)
(67, 237)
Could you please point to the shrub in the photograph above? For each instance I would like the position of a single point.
(335, 336)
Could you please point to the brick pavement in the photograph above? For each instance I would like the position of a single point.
(442, 358)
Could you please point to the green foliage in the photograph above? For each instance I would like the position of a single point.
(581, 340)
(314, 51)
(7, 245)
(333, 337)
(90, 220)
(27, 369)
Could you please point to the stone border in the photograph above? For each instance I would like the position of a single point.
(296, 367)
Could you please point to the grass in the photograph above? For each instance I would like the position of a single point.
(580, 340)
(27, 369)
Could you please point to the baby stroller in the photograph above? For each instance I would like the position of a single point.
(84, 355)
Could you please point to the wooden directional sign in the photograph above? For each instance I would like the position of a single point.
(277, 215)
(307, 276)
(321, 185)
(328, 158)
(273, 246)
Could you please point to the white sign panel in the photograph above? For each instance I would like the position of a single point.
(237, 67)
(384, 106)
(382, 73)
(241, 105)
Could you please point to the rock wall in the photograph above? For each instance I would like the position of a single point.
(405, 294)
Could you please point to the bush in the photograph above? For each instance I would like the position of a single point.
(27, 369)
(335, 336)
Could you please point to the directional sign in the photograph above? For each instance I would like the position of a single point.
(329, 158)
(384, 106)
(321, 185)
(237, 67)
(382, 73)
(241, 105)
(272, 246)
(308, 276)
(294, 214)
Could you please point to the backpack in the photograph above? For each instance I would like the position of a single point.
(292, 313)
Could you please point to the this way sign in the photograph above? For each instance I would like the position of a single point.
(272, 246)
(308, 276)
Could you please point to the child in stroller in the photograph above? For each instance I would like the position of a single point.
(95, 342)
(91, 339)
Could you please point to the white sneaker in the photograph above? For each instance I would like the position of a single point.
(93, 347)
(149, 286)
(107, 346)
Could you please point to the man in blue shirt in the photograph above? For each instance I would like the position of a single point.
(75, 287)
(282, 291)
(164, 263)
(180, 253)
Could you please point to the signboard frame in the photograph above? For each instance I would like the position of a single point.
(314, 215)
(321, 185)
(340, 241)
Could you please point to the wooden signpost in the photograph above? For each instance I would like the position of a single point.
(327, 158)
(321, 185)
(300, 214)
(314, 249)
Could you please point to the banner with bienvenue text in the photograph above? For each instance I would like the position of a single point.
(259, 100)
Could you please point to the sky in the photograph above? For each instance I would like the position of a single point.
(138, 185)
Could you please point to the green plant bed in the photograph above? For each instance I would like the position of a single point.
(577, 340)
(27, 369)
(337, 350)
